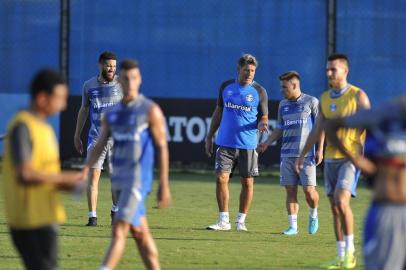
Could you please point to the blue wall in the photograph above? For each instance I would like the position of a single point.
(187, 48)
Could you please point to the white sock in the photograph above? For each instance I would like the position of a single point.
(114, 208)
(292, 221)
(313, 212)
(340, 249)
(349, 243)
(241, 217)
(103, 268)
(92, 214)
(224, 217)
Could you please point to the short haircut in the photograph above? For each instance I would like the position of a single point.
(289, 75)
(128, 64)
(247, 59)
(107, 56)
(339, 56)
(45, 81)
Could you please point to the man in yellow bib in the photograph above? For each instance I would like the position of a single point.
(340, 175)
(32, 176)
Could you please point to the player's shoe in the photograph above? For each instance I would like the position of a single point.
(350, 261)
(220, 226)
(92, 222)
(241, 227)
(337, 263)
(290, 231)
(313, 225)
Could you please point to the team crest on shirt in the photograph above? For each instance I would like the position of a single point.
(249, 97)
(286, 109)
(229, 92)
(114, 92)
(333, 107)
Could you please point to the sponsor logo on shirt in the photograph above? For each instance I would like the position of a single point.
(295, 122)
(237, 107)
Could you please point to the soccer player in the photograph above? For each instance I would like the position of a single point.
(296, 116)
(242, 110)
(31, 174)
(340, 174)
(136, 124)
(384, 231)
(99, 93)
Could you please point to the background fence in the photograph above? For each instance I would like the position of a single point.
(187, 48)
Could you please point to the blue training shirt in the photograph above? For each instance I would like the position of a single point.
(99, 96)
(133, 151)
(242, 107)
(296, 119)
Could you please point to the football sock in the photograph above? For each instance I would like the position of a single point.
(292, 221)
(340, 248)
(313, 212)
(224, 217)
(241, 217)
(349, 243)
(103, 268)
(92, 214)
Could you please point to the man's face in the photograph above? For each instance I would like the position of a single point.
(288, 89)
(130, 80)
(336, 72)
(55, 102)
(108, 69)
(246, 74)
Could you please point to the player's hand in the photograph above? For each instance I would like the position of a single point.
(365, 165)
(163, 197)
(262, 147)
(319, 157)
(78, 144)
(208, 146)
(263, 127)
(299, 164)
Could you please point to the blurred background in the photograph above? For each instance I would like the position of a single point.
(186, 48)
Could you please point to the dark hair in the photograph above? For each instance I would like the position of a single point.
(45, 81)
(247, 59)
(128, 64)
(107, 56)
(339, 56)
(289, 75)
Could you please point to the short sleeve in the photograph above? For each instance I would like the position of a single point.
(21, 145)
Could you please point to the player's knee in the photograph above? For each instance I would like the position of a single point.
(138, 233)
(341, 206)
(222, 179)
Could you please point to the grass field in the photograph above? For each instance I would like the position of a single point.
(182, 239)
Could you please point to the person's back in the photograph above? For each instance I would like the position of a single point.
(133, 152)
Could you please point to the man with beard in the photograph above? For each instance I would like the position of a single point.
(99, 93)
(340, 175)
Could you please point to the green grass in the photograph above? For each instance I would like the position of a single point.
(182, 239)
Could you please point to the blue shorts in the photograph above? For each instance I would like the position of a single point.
(131, 205)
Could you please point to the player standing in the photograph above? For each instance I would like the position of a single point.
(136, 124)
(340, 175)
(99, 93)
(296, 117)
(242, 110)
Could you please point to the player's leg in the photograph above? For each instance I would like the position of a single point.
(346, 185)
(308, 180)
(117, 244)
(330, 181)
(93, 184)
(92, 194)
(248, 167)
(114, 194)
(289, 179)
(146, 244)
(225, 159)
